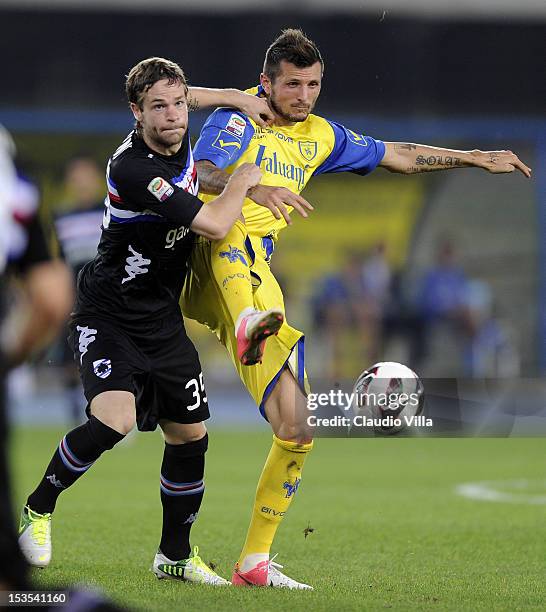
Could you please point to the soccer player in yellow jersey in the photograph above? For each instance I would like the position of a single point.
(231, 288)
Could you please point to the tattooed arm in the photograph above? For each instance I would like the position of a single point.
(211, 178)
(256, 108)
(409, 158)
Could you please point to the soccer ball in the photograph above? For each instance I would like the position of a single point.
(388, 397)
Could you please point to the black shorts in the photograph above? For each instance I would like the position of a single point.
(156, 362)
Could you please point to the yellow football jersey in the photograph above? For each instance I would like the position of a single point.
(288, 156)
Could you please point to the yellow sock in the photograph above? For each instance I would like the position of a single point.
(279, 481)
(231, 268)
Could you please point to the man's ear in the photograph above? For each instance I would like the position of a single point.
(136, 110)
(265, 82)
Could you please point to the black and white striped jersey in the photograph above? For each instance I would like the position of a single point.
(145, 245)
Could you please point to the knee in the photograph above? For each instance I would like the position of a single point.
(178, 433)
(116, 409)
(123, 422)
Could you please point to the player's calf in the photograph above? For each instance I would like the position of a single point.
(182, 486)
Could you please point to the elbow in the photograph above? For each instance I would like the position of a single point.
(219, 233)
(210, 224)
(216, 230)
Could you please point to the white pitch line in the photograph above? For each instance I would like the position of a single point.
(489, 491)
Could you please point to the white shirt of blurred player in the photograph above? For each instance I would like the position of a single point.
(7, 189)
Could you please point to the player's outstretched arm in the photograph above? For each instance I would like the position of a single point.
(256, 108)
(213, 179)
(215, 218)
(409, 158)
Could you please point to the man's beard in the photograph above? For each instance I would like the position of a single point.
(287, 116)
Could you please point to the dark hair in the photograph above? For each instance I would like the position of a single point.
(148, 72)
(294, 47)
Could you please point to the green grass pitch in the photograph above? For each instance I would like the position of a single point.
(389, 530)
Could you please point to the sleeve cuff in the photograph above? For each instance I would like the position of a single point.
(219, 160)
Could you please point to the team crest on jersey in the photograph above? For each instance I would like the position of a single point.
(236, 125)
(160, 188)
(102, 368)
(308, 148)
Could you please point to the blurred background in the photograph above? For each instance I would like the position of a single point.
(444, 272)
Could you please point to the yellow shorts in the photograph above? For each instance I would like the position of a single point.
(204, 301)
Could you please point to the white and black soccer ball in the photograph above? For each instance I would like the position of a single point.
(389, 394)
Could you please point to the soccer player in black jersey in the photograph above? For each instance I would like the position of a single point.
(28, 321)
(136, 362)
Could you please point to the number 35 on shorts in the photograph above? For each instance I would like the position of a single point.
(197, 387)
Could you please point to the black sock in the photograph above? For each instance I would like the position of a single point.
(76, 453)
(182, 487)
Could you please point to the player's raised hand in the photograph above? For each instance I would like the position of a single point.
(499, 162)
(277, 198)
(257, 109)
(248, 173)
